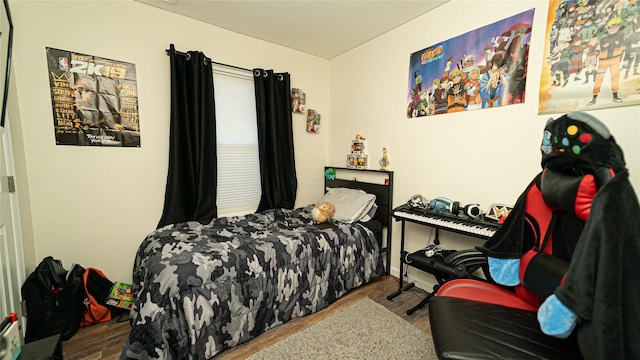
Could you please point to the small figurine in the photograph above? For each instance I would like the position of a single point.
(330, 174)
(384, 162)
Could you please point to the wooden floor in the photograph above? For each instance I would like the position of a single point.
(105, 341)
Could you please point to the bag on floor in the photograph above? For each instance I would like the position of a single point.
(97, 287)
(54, 300)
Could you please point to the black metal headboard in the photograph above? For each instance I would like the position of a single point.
(381, 187)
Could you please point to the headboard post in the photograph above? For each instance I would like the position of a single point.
(378, 183)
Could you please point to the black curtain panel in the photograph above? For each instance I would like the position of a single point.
(275, 140)
(192, 177)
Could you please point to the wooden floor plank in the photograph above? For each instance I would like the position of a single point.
(105, 341)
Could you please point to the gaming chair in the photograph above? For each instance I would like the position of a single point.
(567, 256)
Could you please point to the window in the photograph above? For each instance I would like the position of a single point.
(237, 143)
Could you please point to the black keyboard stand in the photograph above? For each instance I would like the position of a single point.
(424, 301)
(435, 265)
(402, 263)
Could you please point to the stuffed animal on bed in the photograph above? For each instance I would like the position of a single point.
(322, 212)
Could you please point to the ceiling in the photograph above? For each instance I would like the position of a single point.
(324, 28)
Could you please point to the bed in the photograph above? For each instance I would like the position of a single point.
(201, 289)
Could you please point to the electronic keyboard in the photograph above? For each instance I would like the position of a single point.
(461, 224)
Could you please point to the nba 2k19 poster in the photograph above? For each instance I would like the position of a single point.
(592, 56)
(94, 100)
(480, 69)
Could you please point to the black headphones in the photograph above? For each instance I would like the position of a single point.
(472, 210)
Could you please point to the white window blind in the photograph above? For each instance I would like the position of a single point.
(237, 143)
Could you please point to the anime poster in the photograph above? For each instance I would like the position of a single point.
(94, 100)
(480, 69)
(592, 52)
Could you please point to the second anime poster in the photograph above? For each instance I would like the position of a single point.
(483, 68)
(592, 56)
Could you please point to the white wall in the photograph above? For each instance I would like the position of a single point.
(94, 205)
(484, 156)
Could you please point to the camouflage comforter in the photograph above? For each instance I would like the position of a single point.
(201, 289)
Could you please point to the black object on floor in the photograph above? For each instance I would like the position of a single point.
(47, 348)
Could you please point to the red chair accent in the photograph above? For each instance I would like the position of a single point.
(485, 292)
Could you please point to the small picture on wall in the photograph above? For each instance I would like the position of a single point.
(298, 100)
(313, 121)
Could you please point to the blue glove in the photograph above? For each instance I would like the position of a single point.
(505, 271)
(556, 319)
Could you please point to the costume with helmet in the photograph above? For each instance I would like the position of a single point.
(600, 291)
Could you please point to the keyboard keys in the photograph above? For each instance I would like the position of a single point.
(447, 221)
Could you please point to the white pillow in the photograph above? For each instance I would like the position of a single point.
(351, 204)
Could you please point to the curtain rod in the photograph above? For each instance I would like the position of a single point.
(213, 62)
